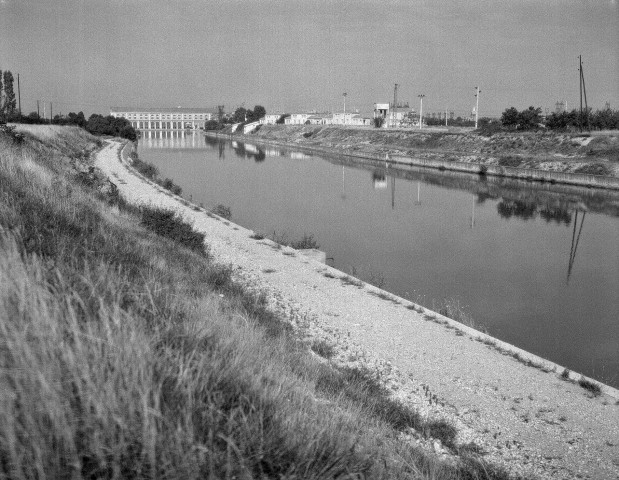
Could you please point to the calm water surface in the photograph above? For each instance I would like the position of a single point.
(537, 265)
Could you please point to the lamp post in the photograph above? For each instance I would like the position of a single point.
(477, 105)
(420, 110)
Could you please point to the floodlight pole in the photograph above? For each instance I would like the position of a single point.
(477, 105)
(420, 110)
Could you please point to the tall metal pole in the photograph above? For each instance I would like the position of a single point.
(420, 110)
(584, 91)
(477, 105)
(345, 94)
(580, 75)
(18, 95)
(395, 105)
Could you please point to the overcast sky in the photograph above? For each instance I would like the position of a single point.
(304, 54)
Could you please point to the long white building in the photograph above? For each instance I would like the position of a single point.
(165, 118)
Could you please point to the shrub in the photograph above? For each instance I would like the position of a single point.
(168, 224)
(145, 168)
(307, 241)
(510, 161)
(594, 169)
(223, 211)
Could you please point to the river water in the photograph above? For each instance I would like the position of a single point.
(537, 265)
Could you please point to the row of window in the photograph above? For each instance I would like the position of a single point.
(158, 116)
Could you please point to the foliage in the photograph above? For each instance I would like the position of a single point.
(109, 125)
(7, 96)
(72, 118)
(223, 211)
(239, 115)
(168, 224)
(213, 125)
(257, 113)
(509, 118)
(282, 119)
(378, 122)
(606, 119)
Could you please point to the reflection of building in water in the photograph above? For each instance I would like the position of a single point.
(165, 118)
(249, 148)
(378, 179)
(269, 152)
(299, 155)
(171, 139)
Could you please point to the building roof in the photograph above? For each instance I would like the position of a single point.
(163, 110)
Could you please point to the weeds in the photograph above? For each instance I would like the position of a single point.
(590, 386)
(222, 211)
(168, 224)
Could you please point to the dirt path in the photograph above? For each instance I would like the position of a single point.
(526, 418)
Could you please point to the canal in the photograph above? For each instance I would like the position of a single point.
(537, 265)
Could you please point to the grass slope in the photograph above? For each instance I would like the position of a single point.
(124, 354)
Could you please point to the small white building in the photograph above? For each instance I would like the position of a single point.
(271, 118)
(393, 117)
(297, 118)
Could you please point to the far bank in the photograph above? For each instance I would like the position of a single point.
(590, 160)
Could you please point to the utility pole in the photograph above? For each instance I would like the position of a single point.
(44, 111)
(445, 117)
(580, 75)
(395, 105)
(583, 89)
(51, 116)
(345, 94)
(420, 110)
(18, 95)
(38, 111)
(477, 105)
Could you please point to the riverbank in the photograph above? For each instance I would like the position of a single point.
(586, 160)
(522, 414)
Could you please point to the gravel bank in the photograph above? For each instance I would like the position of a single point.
(526, 418)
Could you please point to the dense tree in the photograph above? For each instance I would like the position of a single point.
(256, 114)
(240, 115)
(121, 127)
(509, 118)
(530, 118)
(9, 103)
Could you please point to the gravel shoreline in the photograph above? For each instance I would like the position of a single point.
(526, 418)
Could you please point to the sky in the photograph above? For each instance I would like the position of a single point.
(296, 55)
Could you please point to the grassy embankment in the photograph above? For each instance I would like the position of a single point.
(127, 354)
(596, 153)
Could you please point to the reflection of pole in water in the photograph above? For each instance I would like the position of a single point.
(343, 195)
(473, 214)
(392, 193)
(574, 246)
(418, 202)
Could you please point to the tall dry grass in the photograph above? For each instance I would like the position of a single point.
(120, 359)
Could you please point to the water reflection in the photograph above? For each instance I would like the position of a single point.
(379, 180)
(498, 244)
(173, 139)
(574, 246)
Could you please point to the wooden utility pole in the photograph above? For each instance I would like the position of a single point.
(18, 95)
(583, 90)
(38, 111)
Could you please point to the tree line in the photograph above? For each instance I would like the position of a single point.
(532, 119)
(96, 124)
(240, 115)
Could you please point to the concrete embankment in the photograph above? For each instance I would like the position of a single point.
(590, 161)
(517, 408)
